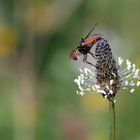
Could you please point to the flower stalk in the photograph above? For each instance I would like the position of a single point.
(112, 120)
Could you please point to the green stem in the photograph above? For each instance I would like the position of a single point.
(112, 119)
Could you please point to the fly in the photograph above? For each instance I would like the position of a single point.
(85, 46)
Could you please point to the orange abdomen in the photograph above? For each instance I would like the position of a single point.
(91, 39)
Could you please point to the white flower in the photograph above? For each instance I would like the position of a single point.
(138, 83)
(127, 76)
(128, 63)
(134, 67)
(111, 82)
(132, 90)
(80, 70)
(120, 60)
(136, 73)
(97, 86)
(111, 91)
(126, 83)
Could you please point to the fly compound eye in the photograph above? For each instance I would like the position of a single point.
(74, 55)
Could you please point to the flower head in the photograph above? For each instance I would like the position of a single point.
(108, 75)
(127, 78)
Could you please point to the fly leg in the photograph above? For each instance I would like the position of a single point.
(85, 60)
(93, 55)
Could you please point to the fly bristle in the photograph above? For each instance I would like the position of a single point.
(106, 68)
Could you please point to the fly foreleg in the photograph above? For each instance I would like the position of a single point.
(93, 55)
(85, 60)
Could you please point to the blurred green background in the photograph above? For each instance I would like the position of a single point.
(37, 92)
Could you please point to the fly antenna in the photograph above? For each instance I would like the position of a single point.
(91, 30)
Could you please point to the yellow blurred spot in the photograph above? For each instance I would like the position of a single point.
(96, 137)
(93, 101)
(7, 40)
(39, 16)
(137, 61)
(26, 113)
